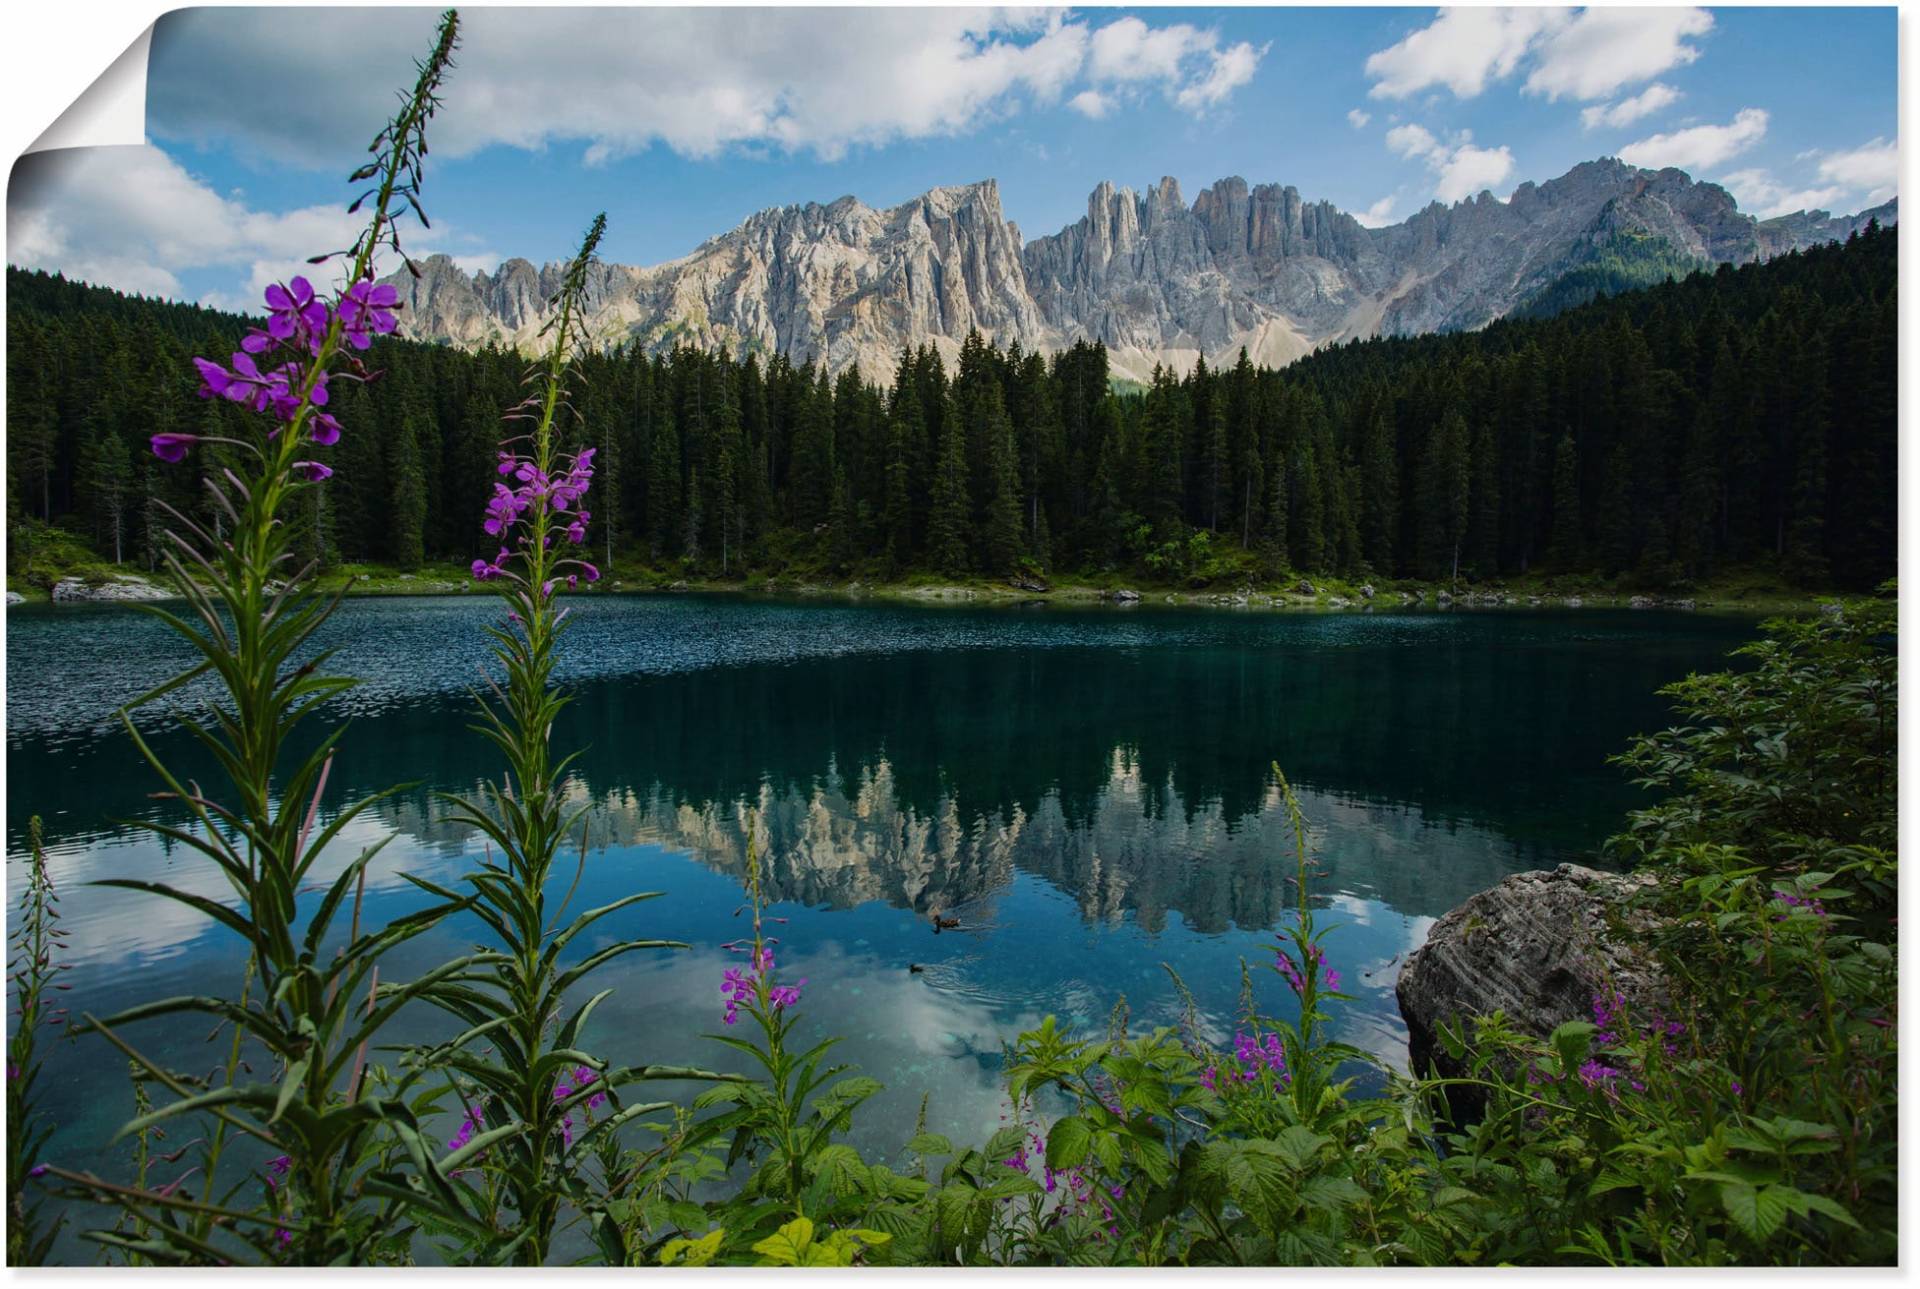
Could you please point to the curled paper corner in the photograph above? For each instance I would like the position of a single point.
(110, 112)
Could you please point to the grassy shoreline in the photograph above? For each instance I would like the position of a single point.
(1743, 591)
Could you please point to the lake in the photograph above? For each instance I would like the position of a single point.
(1086, 789)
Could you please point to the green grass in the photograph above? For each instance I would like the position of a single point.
(40, 555)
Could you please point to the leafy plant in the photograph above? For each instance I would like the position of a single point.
(535, 1092)
(311, 1012)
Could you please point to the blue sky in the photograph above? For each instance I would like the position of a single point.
(680, 123)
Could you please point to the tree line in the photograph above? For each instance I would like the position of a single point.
(1728, 418)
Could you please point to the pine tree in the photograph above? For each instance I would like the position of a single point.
(408, 506)
(1379, 491)
(1483, 522)
(109, 481)
(948, 521)
(1567, 549)
(1445, 497)
(1001, 543)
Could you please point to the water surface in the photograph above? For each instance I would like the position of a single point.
(1088, 790)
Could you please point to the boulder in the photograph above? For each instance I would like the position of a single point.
(1124, 596)
(14, 597)
(71, 590)
(1537, 947)
(1303, 587)
(1366, 591)
(1034, 584)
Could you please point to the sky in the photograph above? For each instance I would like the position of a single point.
(680, 123)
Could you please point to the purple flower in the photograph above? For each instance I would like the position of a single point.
(37, 1170)
(312, 471)
(1285, 966)
(325, 430)
(171, 447)
(1333, 978)
(785, 995)
(293, 316)
(367, 309)
(214, 379)
(739, 990)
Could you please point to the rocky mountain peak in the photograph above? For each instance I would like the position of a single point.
(1156, 280)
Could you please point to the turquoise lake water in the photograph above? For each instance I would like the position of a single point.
(1087, 790)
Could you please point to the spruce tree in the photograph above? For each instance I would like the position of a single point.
(407, 513)
(948, 519)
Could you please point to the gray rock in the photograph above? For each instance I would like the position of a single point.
(1642, 602)
(71, 590)
(1366, 591)
(1537, 947)
(14, 597)
(1156, 280)
(1304, 587)
(1124, 596)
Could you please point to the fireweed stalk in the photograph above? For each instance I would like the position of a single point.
(537, 1087)
(315, 1003)
(36, 936)
(786, 1121)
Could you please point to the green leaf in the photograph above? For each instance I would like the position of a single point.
(788, 1246)
(930, 1143)
(695, 1253)
(1069, 1143)
(1757, 1211)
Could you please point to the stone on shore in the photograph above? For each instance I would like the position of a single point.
(72, 590)
(1537, 947)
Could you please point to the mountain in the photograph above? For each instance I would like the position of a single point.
(1154, 278)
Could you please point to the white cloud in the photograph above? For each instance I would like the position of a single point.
(133, 218)
(1873, 167)
(1759, 194)
(1358, 119)
(1604, 49)
(1467, 170)
(1378, 215)
(1232, 67)
(1091, 103)
(700, 81)
(1411, 141)
(1185, 62)
(1460, 169)
(1462, 49)
(1700, 147)
(1129, 50)
(1588, 54)
(1628, 110)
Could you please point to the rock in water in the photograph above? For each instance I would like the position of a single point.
(1538, 947)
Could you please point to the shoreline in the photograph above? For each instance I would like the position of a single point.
(1296, 595)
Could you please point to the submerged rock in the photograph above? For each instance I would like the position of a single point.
(1537, 947)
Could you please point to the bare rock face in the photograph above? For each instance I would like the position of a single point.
(1538, 947)
(1157, 281)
